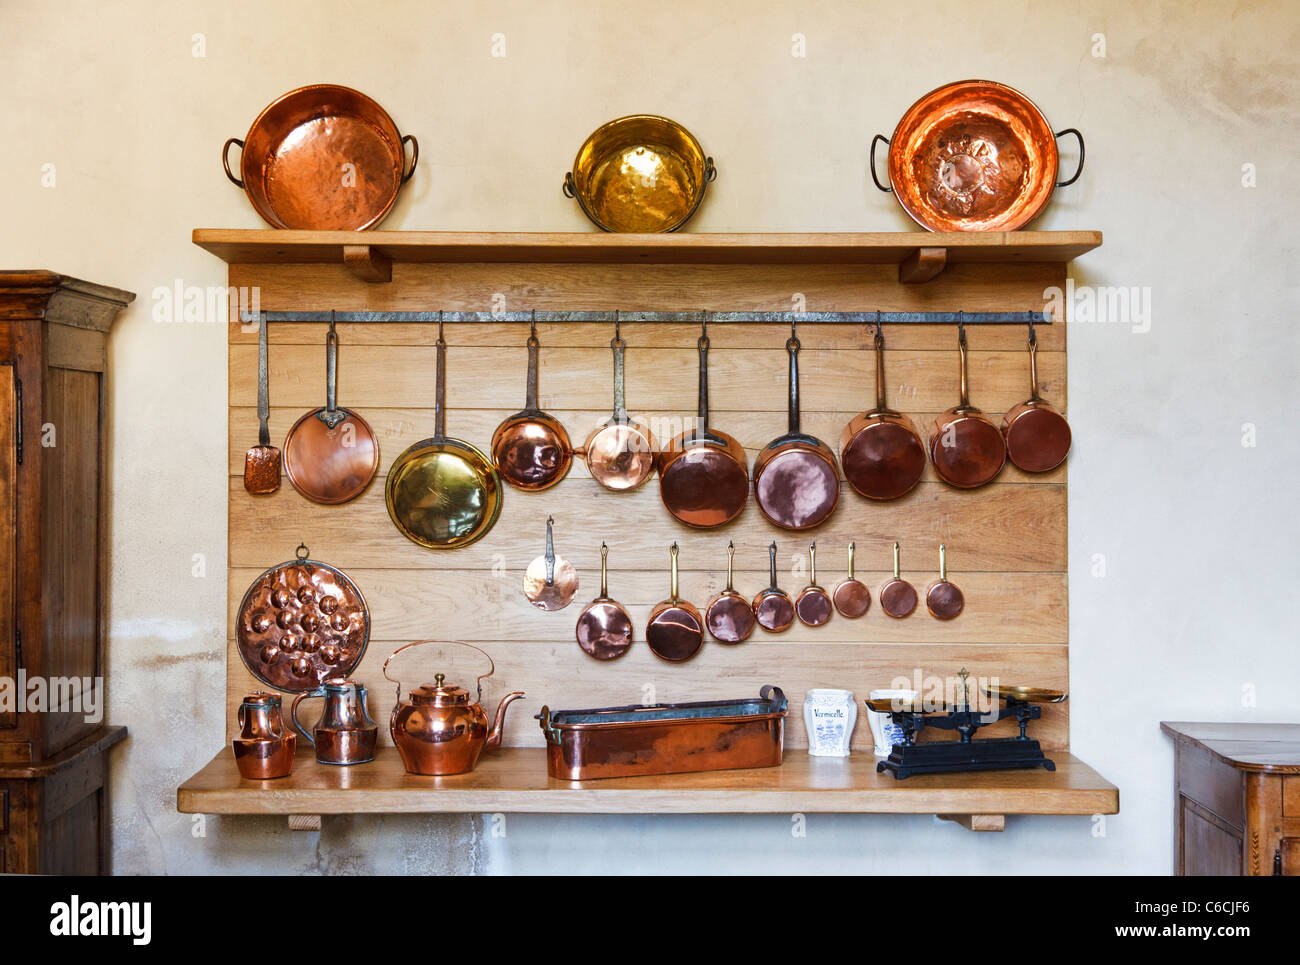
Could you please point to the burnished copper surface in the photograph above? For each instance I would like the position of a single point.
(550, 581)
(621, 454)
(897, 596)
(674, 631)
(973, 156)
(943, 599)
(263, 750)
(773, 608)
(262, 470)
(880, 449)
(531, 449)
(604, 629)
(344, 733)
(322, 157)
(327, 464)
(813, 605)
(300, 623)
(729, 616)
(851, 597)
(640, 173)
(1037, 435)
(966, 448)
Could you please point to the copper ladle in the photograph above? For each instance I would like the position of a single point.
(897, 596)
(813, 605)
(1037, 435)
(851, 596)
(621, 453)
(604, 629)
(772, 607)
(675, 631)
(531, 449)
(944, 600)
(966, 448)
(550, 581)
(729, 616)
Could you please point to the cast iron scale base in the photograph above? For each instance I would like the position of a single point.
(966, 753)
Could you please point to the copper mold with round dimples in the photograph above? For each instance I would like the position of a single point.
(639, 173)
(1037, 435)
(974, 156)
(881, 451)
(729, 616)
(550, 581)
(264, 750)
(604, 629)
(897, 597)
(773, 608)
(796, 477)
(943, 599)
(322, 157)
(621, 453)
(301, 622)
(851, 597)
(675, 631)
(531, 449)
(813, 605)
(966, 448)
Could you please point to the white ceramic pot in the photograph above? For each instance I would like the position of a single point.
(829, 716)
(883, 728)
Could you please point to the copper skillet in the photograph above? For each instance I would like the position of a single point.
(729, 616)
(851, 596)
(1037, 435)
(881, 451)
(604, 629)
(813, 605)
(966, 448)
(703, 473)
(796, 477)
(772, 607)
(675, 631)
(621, 453)
(531, 449)
(330, 454)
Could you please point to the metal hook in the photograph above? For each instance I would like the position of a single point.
(880, 336)
(332, 335)
(1033, 336)
(617, 322)
(441, 341)
(302, 552)
(532, 331)
(961, 328)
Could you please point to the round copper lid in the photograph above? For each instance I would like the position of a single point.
(439, 693)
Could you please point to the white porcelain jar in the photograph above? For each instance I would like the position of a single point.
(829, 716)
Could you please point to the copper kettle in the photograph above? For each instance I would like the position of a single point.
(438, 730)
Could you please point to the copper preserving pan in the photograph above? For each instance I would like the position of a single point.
(322, 157)
(973, 156)
(531, 449)
(1037, 435)
(966, 448)
(621, 453)
(703, 473)
(881, 451)
(711, 735)
(642, 173)
(796, 477)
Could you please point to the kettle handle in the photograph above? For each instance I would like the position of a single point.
(293, 712)
(479, 681)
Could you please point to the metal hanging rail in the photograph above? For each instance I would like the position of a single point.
(721, 318)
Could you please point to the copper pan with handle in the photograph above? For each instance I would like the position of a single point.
(881, 451)
(620, 453)
(1037, 435)
(966, 447)
(531, 449)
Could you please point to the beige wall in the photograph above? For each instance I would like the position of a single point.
(1196, 530)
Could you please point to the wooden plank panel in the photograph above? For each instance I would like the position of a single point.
(8, 539)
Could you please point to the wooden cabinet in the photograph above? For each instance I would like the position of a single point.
(53, 333)
(1237, 798)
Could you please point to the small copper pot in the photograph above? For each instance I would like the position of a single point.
(851, 596)
(1037, 435)
(729, 616)
(675, 631)
(264, 749)
(344, 734)
(944, 600)
(796, 477)
(881, 451)
(531, 449)
(966, 448)
(620, 454)
(604, 629)
(813, 605)
(773, 608)
(897, 596)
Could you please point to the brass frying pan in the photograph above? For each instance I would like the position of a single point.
(966, 448)
(881, 451)
(621, 453)
(443, 493)
(531, 449)
(1037, 435)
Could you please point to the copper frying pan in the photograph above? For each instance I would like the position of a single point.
(881, 451)
(703, 473)
(796, 477)
(772, 607)
(331, 453)
(675, 631)
(1037, 435)
(851, 596)
(604, 629)
(944, 600)
(897, 596)
(550, 581)
(813, 605)
(966, 448)
(729, 616)
(621, 453)
(531, 449)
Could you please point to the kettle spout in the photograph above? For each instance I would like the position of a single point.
(494, 738)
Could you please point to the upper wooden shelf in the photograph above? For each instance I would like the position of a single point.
(920, 255)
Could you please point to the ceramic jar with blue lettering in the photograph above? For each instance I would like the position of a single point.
(829, 716)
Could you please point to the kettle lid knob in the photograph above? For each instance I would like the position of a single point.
(438, 678)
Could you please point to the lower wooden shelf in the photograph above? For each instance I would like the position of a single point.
(514, 780)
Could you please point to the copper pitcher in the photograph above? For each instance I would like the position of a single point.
(345, 734)
(263, 749)
(438, 730)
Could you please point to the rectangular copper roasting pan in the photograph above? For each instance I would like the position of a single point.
(712, 735)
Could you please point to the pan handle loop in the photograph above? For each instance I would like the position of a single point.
(1079, 169)
(672, 565)
(302, 552)
(617, 345)
(534, 362)
(415, 157)
(567, 188)
(478, 681)
(225, 160)
(879, 341)
(792, 347)
(710, 171)
(331, 416)
(961, 348)
(550, 551)
(702, 428)
(874, 140)
(771, 555)
(604, 575)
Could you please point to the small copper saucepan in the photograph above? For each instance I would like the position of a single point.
(729, 616)
(851, 596)
(531, 449)
(881, 451)
(944, 600)
(796, 477)
(675, 631)
(897, 596)
(772, 607)
(967, 449)
(813, 605)
(331, 453)
(704, 474)
(1037, 435)
(621, 453)
(604, 629)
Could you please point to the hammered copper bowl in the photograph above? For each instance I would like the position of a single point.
(322, 157)
(974, 156)
(640, 173)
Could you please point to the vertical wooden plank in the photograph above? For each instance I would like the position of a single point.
(8, 531)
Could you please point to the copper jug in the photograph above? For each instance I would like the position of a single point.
(439, 730)
(263, 750)
(345, 734)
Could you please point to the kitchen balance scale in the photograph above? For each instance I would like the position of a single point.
(966, 753)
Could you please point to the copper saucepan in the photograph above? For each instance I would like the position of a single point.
(944, 599)
(1037, 435)
(813, 605)
(703, 473)
(881, 451)
(729, 616)
(331, 454)
(897, 596)
(967, 449)
(772, 607)
(621, 453)
(604, 629)
(675, 631)
(851, 596)
(796, 478)
(531, 449)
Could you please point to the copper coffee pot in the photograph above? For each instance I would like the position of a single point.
(263, 750)
(438, 730)
(344, 734)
